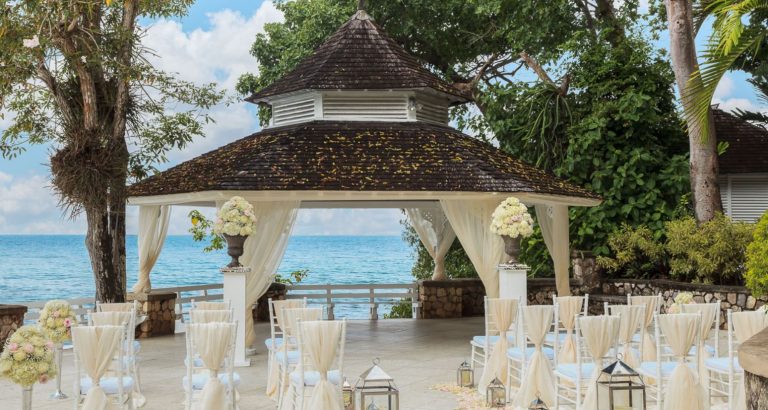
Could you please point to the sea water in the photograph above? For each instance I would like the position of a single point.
(43, 267)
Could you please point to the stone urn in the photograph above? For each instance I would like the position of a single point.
(512, 248)
(235, 249)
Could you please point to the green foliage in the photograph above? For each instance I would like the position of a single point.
(757, 259)
(402, 310)
(202, 229)
(636, 253)
(712, 253)
(293, 278)
(457, 263)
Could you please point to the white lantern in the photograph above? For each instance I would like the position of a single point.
(377, 389)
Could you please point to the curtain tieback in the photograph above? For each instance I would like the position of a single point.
(324, 376)
(213, 373)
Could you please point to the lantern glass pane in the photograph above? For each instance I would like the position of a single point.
(624, 394)
(379, 400)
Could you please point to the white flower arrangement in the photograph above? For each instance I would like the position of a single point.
(56, 320)
(235, 217)
(682, 298)
(511, 218)
(28, 357)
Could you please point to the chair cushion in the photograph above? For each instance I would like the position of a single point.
(515, 353)
(200, 379)
(711, 350)
(293, 357)
(571, 370)
(273, 343)
(480, 340)
(549, 339)
(136, 346)
(720, 365)
(108, 384)
(650, 368)
(312, 377)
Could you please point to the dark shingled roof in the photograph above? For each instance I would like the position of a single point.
(358, 56)
(357, 156)
(747, 144)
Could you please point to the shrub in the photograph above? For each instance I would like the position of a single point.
(636, 253)
(712, 253)
(757, 259)
(402, 310)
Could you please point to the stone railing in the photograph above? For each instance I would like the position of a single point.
(455, 298)
(752, 354)
(11, 318)
(159, 309)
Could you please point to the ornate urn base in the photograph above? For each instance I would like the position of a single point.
(235, 249)
(512, 248)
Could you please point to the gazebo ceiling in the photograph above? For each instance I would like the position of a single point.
(359, 56)
(358, 157)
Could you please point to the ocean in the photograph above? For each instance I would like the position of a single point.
(43, 267)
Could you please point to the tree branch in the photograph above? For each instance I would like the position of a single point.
(130, 11)
(543, 76)
(47, 77)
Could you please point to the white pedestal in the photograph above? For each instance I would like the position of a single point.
(234, 291)
(513, 284)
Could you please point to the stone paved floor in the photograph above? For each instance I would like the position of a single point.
(418, 354)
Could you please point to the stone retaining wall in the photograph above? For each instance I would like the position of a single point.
(455, 298)
(276, 291)
(159, 307)
(11, 318)
(737, 298)
(752, 354)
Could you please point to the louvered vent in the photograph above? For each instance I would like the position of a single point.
(430, 111)
(365, 107)
(294, 111)
(749, 198)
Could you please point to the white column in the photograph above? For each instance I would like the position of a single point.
(235, 293)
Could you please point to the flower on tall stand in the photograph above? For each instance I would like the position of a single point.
(56, 320)
(235, 221)
(28, 359)
(512, 222)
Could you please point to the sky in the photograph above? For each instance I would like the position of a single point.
(210, 44)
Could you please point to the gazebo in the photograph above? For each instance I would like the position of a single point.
(360, 123)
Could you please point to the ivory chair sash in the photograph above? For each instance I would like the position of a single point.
(652, 307)
(277, 338)
(710, 317)
(117, 315)
(631, 320)
(600, 336)
(287, 357)
(683, 390)
(213, 343)
(504, 313)
(568, 308)
(321, 348)
(95, 348)
(117, 307)
(210, 316)
(538, 378)
(211, 305)
(744, 325)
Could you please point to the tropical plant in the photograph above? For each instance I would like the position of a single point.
(713, 252)
(76, 77)
(202, 229)
(636, 253)
(292, 278)
(757, 259)
(401, 310)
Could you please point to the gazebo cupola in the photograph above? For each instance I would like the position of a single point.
(359, 74)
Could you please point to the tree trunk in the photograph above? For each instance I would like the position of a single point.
(703, 156)
(105, 242)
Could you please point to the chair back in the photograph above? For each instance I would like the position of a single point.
(118, 307)
(321, 349)
(276, 314)
(600, 338)
(710, 322)
(292, 316)
(499, 313)
(214, 344)
(95, 348)
(122, 318)
(211, 316)
(631, 319)
(211, 305)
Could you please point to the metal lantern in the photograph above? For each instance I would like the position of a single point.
(377, 389)
(620, 387)
(465, 375)
(348, 395)
(538, 404)
(496, 394)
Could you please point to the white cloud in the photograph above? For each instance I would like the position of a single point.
(724, 88)
(348, 222)
(731, 104)
(28, 206)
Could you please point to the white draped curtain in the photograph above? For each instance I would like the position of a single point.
(471, 221)
(153, 228)
(553, 220)
(264, 250)
(435, 233)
